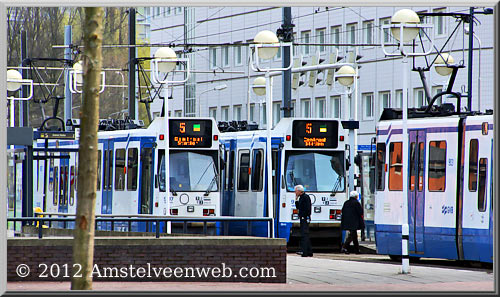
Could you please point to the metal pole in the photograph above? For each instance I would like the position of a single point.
(471, 48)
(351, 144)
(68, 98)
(269, 122)
(287, 74)
(131, 65)
(404, 226)
(24, 105)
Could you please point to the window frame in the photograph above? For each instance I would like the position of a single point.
(363, 97)
(365, 32)
(256, 182)
(119, 173)
(333, 100)
(429, 166)
(349, 32)
(322, 48)
(305, 37)
(132, 171)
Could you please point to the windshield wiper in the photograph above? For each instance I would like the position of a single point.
(214, 179)
(336, 185)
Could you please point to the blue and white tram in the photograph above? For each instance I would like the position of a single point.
(450, 209)
(131, 172)
(310, 152)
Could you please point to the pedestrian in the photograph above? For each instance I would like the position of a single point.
(352, 221)
(303, 204)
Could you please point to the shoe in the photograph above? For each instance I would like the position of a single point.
(304, 256)
(299, 253)
(310, 255)
(345, 251)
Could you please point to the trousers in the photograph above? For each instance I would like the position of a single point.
(305, 241)
(353, 236)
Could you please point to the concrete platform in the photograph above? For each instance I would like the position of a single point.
(323, 272)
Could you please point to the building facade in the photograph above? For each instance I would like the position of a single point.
(320, 31)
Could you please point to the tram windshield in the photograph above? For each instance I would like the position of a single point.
(190, 171)
(316, 171)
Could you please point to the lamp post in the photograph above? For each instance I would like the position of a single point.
(346, 76)
(14, 82)
(265, 47)
(405, 26)
(165, 61)
(216, 88)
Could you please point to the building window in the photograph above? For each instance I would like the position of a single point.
(439, 23)
(367, 106)
(380, 167)
(387, 31)
(335, 35)
(264, 114)
(419, 97)
(237, 55)
(213, 58)
(436, 90)
(320, 38)
(179, 9)
(368, 32)
(213, 112)
(306, 38)
(225, 113)
(320, 107)
(276, 112)
(351, 33)
(437, 166)
(225, 56)
(395, 166)
(384, 101)
(483, 168)
(399, 99)
(168, 10)
(237, 113)
(335, 106)
(305, 108)
(178, 113)
(252, 113)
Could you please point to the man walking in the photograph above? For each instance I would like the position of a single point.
(352, 220)
(303, 204)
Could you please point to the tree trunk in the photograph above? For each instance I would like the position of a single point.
(83, 244)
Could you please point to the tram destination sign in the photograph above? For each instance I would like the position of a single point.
(190, 133)
(315, 134)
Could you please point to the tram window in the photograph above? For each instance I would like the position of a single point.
(162, 182)
(110, 170)
(72, 185)
(243, 172)
(481, 195)
(120, 170)
(99, 155)
(380, 167)
(56, 185)
(421, 147)
(473, 157)
(132, 169)
(395, 166)
(225, 171)
(437, 166)
(412, 166)
(106, 170)
(257, 170)
(231, 171)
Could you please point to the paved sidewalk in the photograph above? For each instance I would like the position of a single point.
(316, 274)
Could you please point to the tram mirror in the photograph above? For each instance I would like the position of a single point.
(336, 165)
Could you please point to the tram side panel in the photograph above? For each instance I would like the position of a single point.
(477, 202)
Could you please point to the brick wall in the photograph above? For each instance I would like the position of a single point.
(117, 254)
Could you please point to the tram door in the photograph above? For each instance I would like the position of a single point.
(146, 176)
(416, 191)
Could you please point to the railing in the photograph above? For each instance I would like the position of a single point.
(64, 217)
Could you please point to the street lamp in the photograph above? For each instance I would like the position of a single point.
(265, 47)
(346, 76)
(14, 82)
(216, 88)
(259, 88)
(76, 78)
(165, 60)
(405, 26)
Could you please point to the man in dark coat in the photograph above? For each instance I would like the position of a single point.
(303, 204)
(352, 220)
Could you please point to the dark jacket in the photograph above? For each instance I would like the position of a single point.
(304, 206)
(352, 215)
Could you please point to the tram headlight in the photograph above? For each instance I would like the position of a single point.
(317, 209)
(190, 208)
